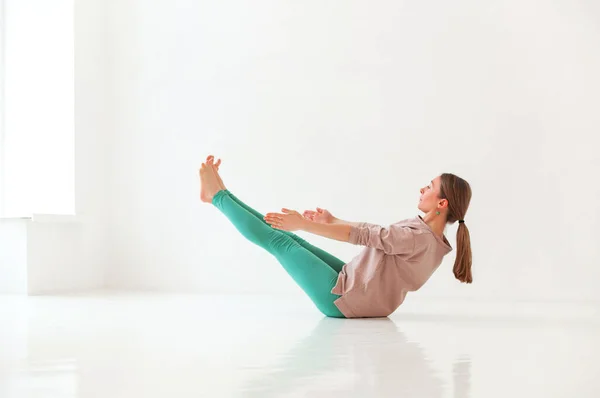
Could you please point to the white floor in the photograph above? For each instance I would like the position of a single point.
(140, 345)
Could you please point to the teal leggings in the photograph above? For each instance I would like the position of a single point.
(313, 269)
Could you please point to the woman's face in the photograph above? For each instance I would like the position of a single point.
(430, 195)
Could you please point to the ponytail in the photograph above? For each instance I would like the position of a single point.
(462, 264)
(458, 193)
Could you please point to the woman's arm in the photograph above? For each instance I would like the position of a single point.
(337, 231)
(291, 220)
(336, 220)
(396, 239)
(353, 224)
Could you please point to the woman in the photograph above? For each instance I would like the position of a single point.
(395, 260)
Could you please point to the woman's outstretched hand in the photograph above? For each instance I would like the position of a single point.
(289, 220)
(321, 216)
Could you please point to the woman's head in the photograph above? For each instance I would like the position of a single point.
(448, 196)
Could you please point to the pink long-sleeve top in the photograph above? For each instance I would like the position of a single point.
(396, 260)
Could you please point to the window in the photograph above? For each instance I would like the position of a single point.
(37, 131)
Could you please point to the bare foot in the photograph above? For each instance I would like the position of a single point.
(203, 193)
(210, 161)
(209, 183)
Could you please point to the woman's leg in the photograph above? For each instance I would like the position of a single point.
(330, 259)
(311, 273)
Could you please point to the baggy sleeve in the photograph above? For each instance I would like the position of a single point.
(395, 239)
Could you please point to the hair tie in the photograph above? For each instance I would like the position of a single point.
(461, 221)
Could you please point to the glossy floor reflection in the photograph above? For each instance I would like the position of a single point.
(140, 345)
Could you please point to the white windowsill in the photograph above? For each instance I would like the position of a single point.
(56, 218)
(47, 218)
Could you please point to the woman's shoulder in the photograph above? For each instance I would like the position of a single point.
(413, 222)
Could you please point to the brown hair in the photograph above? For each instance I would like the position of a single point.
(458, 193)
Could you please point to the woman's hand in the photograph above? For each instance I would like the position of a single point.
(289, 220)
(320, 216)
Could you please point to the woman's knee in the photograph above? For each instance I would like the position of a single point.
(281, 243)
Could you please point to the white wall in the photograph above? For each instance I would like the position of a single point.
(353, 106)
(61, 254)
(71, 255)
(13, 256)
(93, 135)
